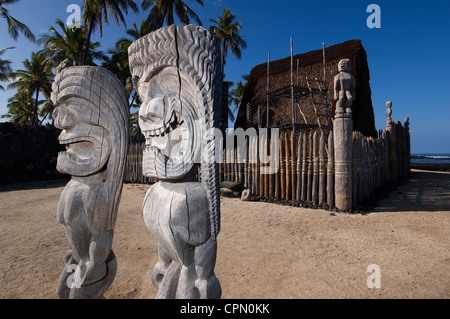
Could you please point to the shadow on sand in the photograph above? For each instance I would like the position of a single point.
(35, 185)
(422, 191)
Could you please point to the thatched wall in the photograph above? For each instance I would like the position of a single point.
(310, 65)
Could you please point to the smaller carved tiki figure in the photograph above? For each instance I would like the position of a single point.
(389, 120)
(344, 87)
(91, 109)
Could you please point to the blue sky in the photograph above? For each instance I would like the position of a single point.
(407, 56)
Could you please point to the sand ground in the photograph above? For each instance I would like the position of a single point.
(264, 250)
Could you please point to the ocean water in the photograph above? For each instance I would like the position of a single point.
(426, 158)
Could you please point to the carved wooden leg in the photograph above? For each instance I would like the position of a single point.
(205, 260)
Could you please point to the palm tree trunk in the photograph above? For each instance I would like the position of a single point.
(43, 119)
(134, 98)
(170, 19)
(88, 43)
(35, 120)
(224, 53)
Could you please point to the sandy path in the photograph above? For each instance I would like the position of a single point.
(265, 250)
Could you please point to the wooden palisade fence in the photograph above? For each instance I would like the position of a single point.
(133, 166)
(306, 165)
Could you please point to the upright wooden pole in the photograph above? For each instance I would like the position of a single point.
(288, 166)
(246, 154)
(315, 183)
(299, 168)
(342, 130)
(266, 176)
(322, 169)
(310, 168)
(260, 169)
(252, 166)
(304, 167)
(292, 88)
(293, 167)
(330, 171)
(268, 87)
(282, 167)
(271, 175)
(324, 66)
(277, 173)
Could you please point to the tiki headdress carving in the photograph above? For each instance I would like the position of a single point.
(178, 75)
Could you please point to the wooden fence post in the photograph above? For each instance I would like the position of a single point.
(315, 181)
(282, 167)
(322, 169)
(271, 175)
(304, 168)
(293, 167)
(299, 167)
(343, 152)
(330, 171)
(310, 168)
(288, 166)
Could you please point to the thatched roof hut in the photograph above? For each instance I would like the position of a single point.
(309, 65)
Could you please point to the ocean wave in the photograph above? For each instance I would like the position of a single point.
(432, 156)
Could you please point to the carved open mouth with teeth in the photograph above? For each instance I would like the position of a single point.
(83, 155)
(163, 129)
(169, 127)
(79, 149)
(166, 138)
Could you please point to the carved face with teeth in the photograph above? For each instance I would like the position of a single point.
(88, 144)
(168, 119)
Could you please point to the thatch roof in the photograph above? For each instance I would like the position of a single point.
(309, 65)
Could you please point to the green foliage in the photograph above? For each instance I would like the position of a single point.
(66, 47)
(35, 78)
(118, 62)
(164, 10)
(20, 110)
(226, 32)
(95, 11)
(235, 97)
(5, 68)
(14, 26)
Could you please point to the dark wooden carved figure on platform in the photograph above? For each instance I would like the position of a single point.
(344, 87)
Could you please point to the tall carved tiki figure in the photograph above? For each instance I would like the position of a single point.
(91, 109)
(178, 75)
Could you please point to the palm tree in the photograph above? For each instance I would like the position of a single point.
(227, 33)
(35, 78)
(118, 62)
(235, 96)
(66, 48)
(229, 116)
(96, 10)
(15, 26)
(165, 9)
(5, 68)
(20, 110)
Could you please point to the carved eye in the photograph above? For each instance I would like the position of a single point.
(150, 118)
(143, 90)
